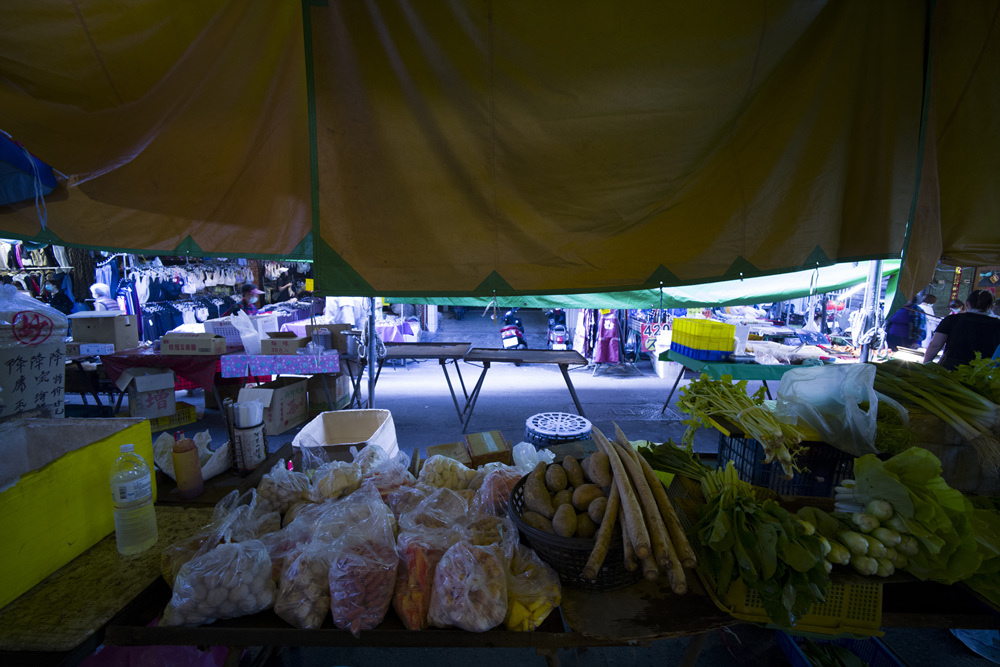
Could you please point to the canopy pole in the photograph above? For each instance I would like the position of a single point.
(371, 352)
(870, 307)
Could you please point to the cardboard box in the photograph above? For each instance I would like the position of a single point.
(284, 402)
(184, 415)
(192, 344)
(61, 505)
(337, 432)
(453, 450)
(78, 349)
(283, 342)
(106, 326)
(488, 447)
(340, 392)
(150, 391)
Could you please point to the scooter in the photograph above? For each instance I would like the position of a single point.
(558, 335)
(512, 331)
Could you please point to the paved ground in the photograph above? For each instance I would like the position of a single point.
(631, 396)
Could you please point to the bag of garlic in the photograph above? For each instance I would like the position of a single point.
(303, 598)
(334, 480)
(363, 563)
(233, 579)
(470, 589)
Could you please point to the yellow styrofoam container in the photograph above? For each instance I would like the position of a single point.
(62, 506)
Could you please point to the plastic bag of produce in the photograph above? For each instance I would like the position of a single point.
(443, 508)
(303, 597)
(390, 474)
(838, 401)
(368, 457)
(281, 488)
(334, 479)
(235, 518)
(363, 563)
(470, 589)
(533, 591)
(444, 472)
(405, 498)
(233, 579)
(490, 530)
(419, 554)
(493, 494)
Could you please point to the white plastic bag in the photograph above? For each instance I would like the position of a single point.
(248, 332)
(838, 401)
(527, 456)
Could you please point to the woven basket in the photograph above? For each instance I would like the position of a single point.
(568, 555)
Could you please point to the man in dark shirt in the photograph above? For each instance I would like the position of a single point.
(963, 334)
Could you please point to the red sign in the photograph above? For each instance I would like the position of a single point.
(648, 332)
(31, 328)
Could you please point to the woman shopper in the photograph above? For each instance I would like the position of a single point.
(963, 334)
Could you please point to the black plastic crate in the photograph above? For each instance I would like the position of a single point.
(824, 467)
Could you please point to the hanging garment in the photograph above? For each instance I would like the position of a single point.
(607, 349)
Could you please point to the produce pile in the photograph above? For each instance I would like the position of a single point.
(612, 487)
(897, 515)
(705, 398)
(348, 540)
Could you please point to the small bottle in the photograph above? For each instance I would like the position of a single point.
(187, 468)
(132, 494)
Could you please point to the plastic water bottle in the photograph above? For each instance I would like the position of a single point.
(132, 494)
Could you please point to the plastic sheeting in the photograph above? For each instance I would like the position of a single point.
(509, 145)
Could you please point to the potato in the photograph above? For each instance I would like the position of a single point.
(536, 497)
(596, 510)
(599, 469)
(555, 478)
(564, 497)
(539, 471)
(564, 521)
(574, 473)
(583, 495)
(537, 521)
(585, 526)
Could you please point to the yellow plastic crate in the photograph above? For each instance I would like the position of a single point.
(692, 335)
(854, 609)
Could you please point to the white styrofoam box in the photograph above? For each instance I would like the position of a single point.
(225, 328)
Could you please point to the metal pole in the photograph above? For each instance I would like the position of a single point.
(372, 351)
(872, 290)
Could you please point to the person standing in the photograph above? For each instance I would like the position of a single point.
(963, 334)
(286, 286)
(930, 319)
(899, 329)
(248, 303)
(56, 298)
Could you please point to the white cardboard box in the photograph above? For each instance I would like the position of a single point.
(192, 344)
(284, 402)
(338, 431)
(150, 391)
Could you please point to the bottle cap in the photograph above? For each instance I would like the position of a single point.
(127, 448)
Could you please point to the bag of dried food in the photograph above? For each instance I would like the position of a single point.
(334, 479)
(493, 492)
(533, 590)
(363, 562)
(470, 589)
(444, 472)
(303, 597)
(281, 488)
(230, 580)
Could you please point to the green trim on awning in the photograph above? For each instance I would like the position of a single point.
(334, 276)
(187, 247)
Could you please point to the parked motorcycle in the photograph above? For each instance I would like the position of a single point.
(512, 331)
(558, 335)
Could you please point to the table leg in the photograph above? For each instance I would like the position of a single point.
(92, 381)
(564, 368)
(118, 405)
(218, 398)
(766, 388)
(458, 370)
(326, 390)
(451, 388)
(470, 404)
(672, 390)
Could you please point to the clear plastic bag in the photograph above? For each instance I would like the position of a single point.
(470, 589)
(334, 480)
(533, 590)
(281, 488)
(444, 472)
(363, 564)
(443, 508)
(233, 579)
(419, 554)
(405, 498)
(390, 474)
(493, 495)
(838, 401)
(303, 597)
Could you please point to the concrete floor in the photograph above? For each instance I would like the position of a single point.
(631, 396)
